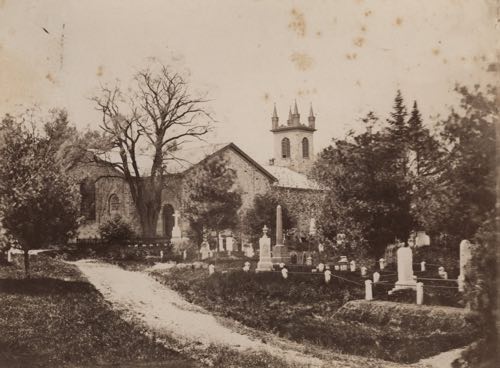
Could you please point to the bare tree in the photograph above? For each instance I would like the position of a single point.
(158, 114)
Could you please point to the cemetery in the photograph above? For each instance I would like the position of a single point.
(386, 309)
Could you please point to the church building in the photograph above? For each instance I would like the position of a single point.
(105, 191)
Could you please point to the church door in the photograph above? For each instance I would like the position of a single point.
(168, 220)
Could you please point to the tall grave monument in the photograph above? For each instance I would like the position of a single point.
(265, 263)
(280, 251)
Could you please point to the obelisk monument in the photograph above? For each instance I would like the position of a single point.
(280, 251)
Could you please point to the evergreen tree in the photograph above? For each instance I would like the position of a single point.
(211, 199)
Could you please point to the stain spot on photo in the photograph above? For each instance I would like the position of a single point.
(298, 23)
(301, 60)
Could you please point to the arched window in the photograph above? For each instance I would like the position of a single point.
(285, 148)
(305, 148)
(114, 204)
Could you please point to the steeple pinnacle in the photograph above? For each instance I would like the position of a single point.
(275, 118)
(289, 121)
(311, 112)
(311, 119)
(295, 109)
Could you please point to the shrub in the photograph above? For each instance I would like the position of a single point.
(116, 230)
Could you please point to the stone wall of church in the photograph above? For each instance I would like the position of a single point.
(250, 180)
(302, 204)
(106, 187)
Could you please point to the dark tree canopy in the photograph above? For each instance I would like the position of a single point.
(38, 201)
(211, 199)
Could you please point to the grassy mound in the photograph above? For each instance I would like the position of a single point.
(305, 309)
(56, 318)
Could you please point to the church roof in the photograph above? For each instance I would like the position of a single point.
(182, 160)
(288, 178)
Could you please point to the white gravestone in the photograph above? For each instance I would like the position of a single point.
(422, 266)
(9, 255)
(420, 293)
(321, 248)
(284, 273)
(211, 269)
(405, 269)
(205, 249)
(184, 254)
(363, 271)
(309, 261)
(321, 267)
(465, 256)
(376, 277)
(176, 230)
(352, 266)
(381, 263)
(249, 252)
(221, 243)
(265, 263)
(328, 276)
(368, 290)
(229, 244)
(343, 263)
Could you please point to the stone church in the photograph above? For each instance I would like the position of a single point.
(105, 192)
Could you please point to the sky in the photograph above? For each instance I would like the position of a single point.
(345, 58)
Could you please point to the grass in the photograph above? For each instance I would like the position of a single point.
(303, 308)
(57, 318)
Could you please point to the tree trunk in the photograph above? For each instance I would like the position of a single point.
(148, 205)
(26, 264)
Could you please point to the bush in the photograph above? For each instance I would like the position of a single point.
(116, 230)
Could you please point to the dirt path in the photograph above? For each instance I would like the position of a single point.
(165, 311)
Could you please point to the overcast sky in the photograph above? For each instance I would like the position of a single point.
(344, 57)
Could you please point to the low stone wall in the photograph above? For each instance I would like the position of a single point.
(409, 316)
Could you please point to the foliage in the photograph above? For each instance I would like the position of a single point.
(115, 230)
(58, 319)
(211, 199)
(263, 212)
(481, 295)
(38, 201)
(397, 177)
(158, 113)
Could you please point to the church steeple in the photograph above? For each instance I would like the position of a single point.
(289, 121)
(275, 118)
(296, 115)
(311, 118)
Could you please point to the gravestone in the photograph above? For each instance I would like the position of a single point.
(229, 244)
(9, 255)
(465, 256)
(321, 267)
(321, 248)
(381, 263)
(376, 277)
(405, 269)
(248, 250)
(309, 260)
(343, 263)
(176, 230)
(280, 251)
(328, 275)
(211, 269)
(363, 271)
(265, 262)
(300, 258)
(205, 247)
(422, 239)
(352, 266)
(221, 243)
(284, 273)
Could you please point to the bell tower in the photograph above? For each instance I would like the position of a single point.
(293, 142)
